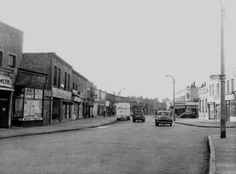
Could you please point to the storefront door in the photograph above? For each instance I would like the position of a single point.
(4, 105)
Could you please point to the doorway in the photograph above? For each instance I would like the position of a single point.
(4, 109)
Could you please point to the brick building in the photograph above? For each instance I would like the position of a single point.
(58, 96)
(11, 44)
(79, 94)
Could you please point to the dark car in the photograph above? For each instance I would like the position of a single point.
(189, 115)
(138, 115)
(163, 117)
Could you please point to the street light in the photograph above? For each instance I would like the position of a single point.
(167, 75)
(222, 79)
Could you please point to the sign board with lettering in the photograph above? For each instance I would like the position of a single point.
(5, 81)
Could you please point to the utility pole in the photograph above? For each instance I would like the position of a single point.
(222, 79)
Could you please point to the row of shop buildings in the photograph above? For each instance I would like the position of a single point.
(205, 100)
(41, 88)
(209, 97)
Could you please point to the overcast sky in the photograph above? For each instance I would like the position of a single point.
(129, 44)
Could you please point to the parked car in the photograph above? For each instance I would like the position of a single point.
(138, 115)
(189, 115)
(163, 117)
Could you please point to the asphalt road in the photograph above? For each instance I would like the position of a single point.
(123, 147)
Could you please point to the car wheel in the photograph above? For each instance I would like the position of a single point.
(133, 120)
(170, 124)
(157, 124)
(143, 120)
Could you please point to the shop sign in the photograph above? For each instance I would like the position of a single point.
(5, 81)
(6, 72)
(59, 93)
(107, 103)
(77, 99)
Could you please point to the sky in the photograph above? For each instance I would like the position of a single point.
(129, 45)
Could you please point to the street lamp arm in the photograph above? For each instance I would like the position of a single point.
(167, 75)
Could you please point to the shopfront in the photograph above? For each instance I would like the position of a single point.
(6, 92)
(76, 108)
(29, 98)
(28, 107)
(62, 104)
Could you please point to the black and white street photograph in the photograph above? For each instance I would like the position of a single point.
(118, 87)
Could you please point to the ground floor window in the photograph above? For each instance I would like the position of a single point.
(55, 109)
(233, 108)
(28, 104)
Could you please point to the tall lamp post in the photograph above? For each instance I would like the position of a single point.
(167, 75)
(222, 79)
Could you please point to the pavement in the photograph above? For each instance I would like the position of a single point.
(63, 126)
(203, 123)
(222, 150)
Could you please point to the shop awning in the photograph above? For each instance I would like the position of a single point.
(30, 79)
(6, 89)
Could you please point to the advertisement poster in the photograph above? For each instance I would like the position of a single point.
(38, 94)
(29, 93)
(32, 110)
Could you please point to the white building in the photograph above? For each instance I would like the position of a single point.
(203, 106)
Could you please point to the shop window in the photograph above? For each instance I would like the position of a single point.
(28, 104)
(55, 109)
(233, 108)
(12, 60)
(232, 85)
(227, 86)
(0, 58)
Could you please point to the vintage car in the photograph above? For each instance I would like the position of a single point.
(138, 115)
(163, 117)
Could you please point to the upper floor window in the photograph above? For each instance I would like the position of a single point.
(218, 89)
(59, 78)
(227, 86)
(0, 58)
(65, 81)
(55, 76)
(232, 85)
(12, 60)
(210, 89)
(213, 86)
(68, 82)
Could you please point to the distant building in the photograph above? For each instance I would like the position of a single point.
(186, 100)
(203, 102)
(231, 94)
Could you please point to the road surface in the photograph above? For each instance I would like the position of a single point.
(123, 147)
